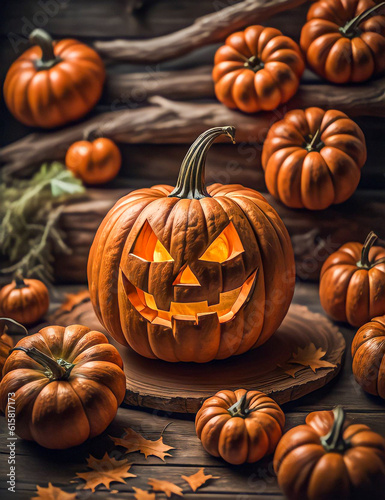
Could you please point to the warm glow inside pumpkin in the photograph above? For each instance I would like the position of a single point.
(226, 246)
(190, 273)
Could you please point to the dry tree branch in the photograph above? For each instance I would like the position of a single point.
(205, 30)
(165, 121)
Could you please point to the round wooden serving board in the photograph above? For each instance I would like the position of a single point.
(182, 387)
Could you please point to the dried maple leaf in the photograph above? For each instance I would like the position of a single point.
(52, 493)
(166, 487)
(310, 357)
(291, 369)
(198, 479)
(143, 494)
(73, 299)
(133, 441)
(105, 471)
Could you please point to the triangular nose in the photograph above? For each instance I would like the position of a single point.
(187, 277)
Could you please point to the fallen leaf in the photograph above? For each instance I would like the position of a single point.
(198, 479)
(143, 494)
(310, 357)
(73, 299)
(105, 471)
(291, 369)
(52, 493)
(166, 487)
(133, 441)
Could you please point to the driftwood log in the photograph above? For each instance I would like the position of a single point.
(314, 235)
(131, 89)
(169, 122)
(205, 30)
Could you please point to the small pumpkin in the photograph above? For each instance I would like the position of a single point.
(352, 282)
(313, 158)
(95, 162)
(24, 300)
(329, 459)
(189, 273)
(239, 426)
(368, 351)
(67, 385)
(344, 40)
(53, 83)
(257, 69)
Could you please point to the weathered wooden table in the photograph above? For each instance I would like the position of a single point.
(38, 466)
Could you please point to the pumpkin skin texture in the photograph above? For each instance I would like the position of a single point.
(240, 426)
(313, 158)
(341, 43)
(68, 384)
(52, 84)
(25, 301)
(189, 274)
(328, 459)
(352, 282)
(95, 162)
(257, 69)
(368, 351)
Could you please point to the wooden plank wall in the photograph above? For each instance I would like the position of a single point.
(89, 20)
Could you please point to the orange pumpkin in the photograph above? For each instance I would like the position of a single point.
(67, 384)
(257, 69)
(352, 283)
(313, 158)
(344, 40)
(189, 273)
(368, 352)
(53, 83)
(240, 426)
(95, 162)
(25, 301)
(328, 459)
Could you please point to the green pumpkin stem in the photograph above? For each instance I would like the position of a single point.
(334, 441)
(365, 262)
(13, 323)
(350, 27)
(239, 409)
(191, 179)
(44, 41)
(58, 369)
(315, 144)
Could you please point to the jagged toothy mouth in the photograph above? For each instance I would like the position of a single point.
(229, 304)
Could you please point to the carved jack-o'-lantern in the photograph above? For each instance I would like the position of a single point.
(190, 274)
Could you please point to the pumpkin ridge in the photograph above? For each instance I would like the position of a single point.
(76, 85)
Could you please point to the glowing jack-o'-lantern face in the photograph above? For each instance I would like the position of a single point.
(189, 274)
(186, 291)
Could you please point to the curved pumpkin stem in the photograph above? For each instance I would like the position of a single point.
(13, 322)
(44, 41)
(333, 441)
(351, 26)
(59, 369)
(365, 262)
(191, 179)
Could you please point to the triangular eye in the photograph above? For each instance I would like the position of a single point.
(148, 247)
(226, 245)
